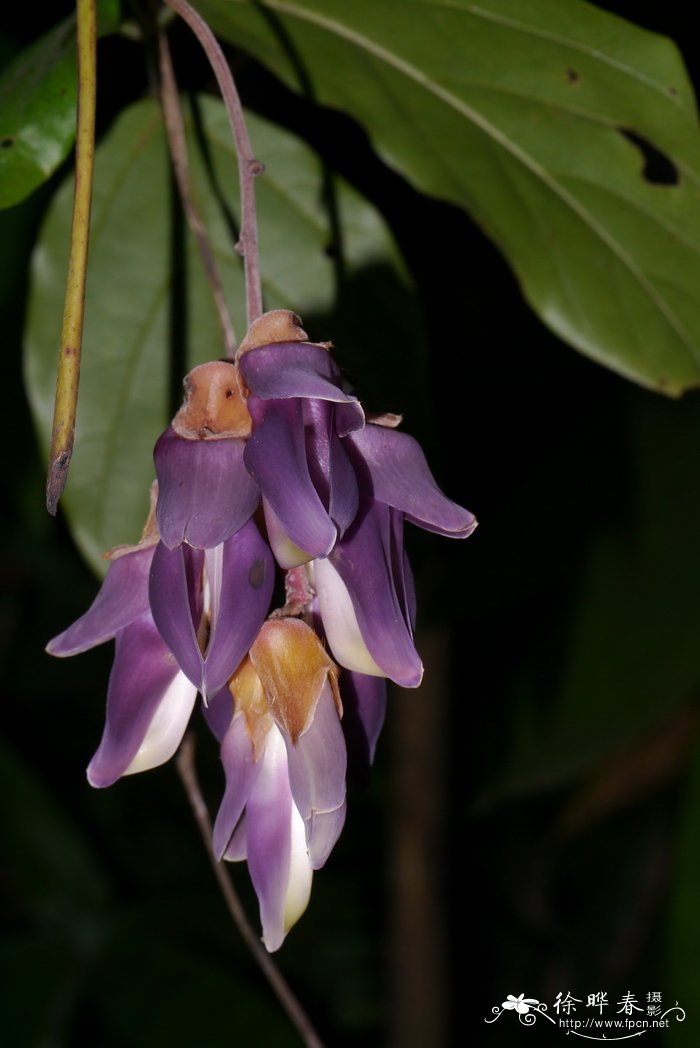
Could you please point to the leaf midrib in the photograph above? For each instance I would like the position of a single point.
(401, 65)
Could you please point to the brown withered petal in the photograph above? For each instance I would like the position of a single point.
(249, 698)
(213, 407)
(293, 666)
(277, 325)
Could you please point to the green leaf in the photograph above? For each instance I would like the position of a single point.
(38, 105)
(133, 300)
(538, 117)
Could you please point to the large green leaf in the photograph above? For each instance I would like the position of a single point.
(37, 107)
(132, 296)
(540, 117)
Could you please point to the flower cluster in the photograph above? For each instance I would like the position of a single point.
(270, 462)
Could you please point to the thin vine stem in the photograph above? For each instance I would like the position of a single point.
(68, 377)
(177, 144)
(248, 166)
(187, 771)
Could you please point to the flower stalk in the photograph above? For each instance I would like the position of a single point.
(188, 776)
(175, 130)
(248, 166)
(68, 377)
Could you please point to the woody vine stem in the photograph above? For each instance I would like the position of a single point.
(68, 376)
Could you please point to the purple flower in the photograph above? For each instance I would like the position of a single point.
(284, 758)
(210, 606)
(296, 454)
(205, 493)
(149, 698)
(337, 489)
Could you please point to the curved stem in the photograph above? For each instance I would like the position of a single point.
(188, 774)
(68, 377)
(175, 129)
(248, 166)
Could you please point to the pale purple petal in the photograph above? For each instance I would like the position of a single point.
(237, 850)
(218, 712)
(123, 597)
(277, 860)
(175, 579)
(287, 554)
(317, 766)
(241, 576)
(205, 493)
(241, 770)
(372, 568)
(322, 829)
(168, 726)
(143, 673)
(339, 621)
(283, 370)
(276, 456)
(399, 475)
(364, 707)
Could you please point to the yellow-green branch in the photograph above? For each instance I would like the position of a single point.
(74, 305)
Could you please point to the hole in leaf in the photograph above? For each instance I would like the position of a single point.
(658, 169)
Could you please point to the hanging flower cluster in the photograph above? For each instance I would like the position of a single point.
(270, 461)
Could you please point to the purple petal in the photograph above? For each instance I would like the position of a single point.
(401, 570)
(123, 597)
(205, 493)
(364, 706)
(287, 554)
(175, 589)
(400, 476)
(277, 860)
(241, 770)
(372, 567)
(276, 456)
(241, 576)
(237, 850)
(218, 713)
(339, 621)
(149, 703)
(317, 766)
(348, 418)
(331, 471)
(293, 369)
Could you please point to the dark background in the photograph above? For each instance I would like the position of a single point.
(529, 824)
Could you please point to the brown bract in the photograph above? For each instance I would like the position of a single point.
(213, 408)
(278, 325)
(249, 697)
(293, 666)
